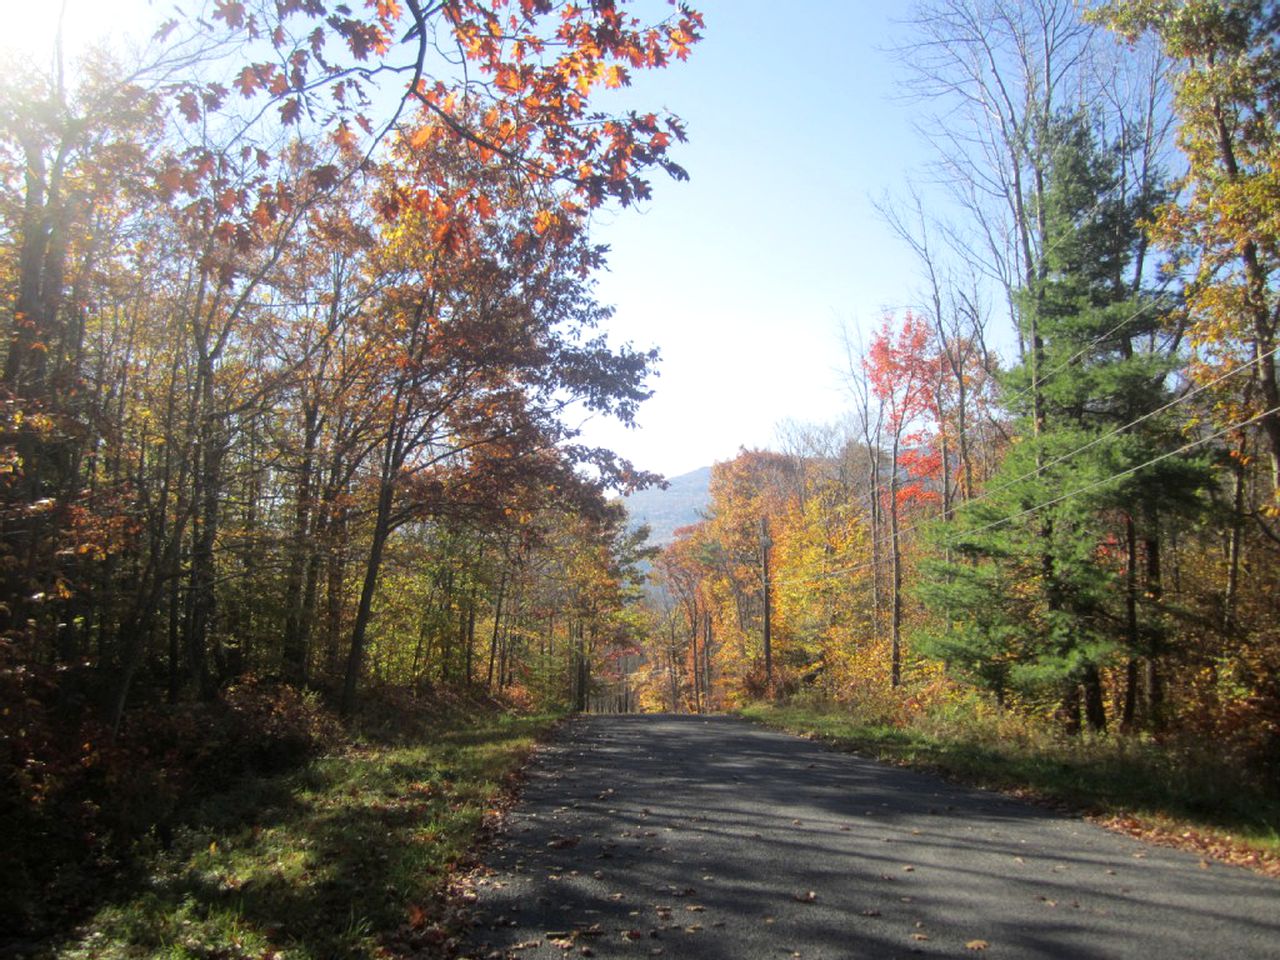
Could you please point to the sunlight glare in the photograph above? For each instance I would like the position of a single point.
(31, 27)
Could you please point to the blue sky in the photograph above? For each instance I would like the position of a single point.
(742, 275)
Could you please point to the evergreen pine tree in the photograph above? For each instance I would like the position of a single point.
(1054, 571)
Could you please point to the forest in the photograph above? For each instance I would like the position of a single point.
(1086, 533)
(299, 312)
(298, 306)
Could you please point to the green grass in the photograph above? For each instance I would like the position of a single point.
(1153, 788)
(343, 857)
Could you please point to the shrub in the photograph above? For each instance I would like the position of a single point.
(76, 801)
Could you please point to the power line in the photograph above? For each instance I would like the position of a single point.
(1040, 506)
(1040, 381)
(1044, 378)
(1185, 448)
(1121, 429)
(1184, 398)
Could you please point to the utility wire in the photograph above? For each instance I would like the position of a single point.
(1191, 445)
(987, 494)
(1185, 448)
(1121, 429)
(1041, 380)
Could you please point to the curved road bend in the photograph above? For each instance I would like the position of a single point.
(712, 838)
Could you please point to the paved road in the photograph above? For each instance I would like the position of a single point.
(716, 839)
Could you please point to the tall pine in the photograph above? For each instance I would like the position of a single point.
(1054, 574)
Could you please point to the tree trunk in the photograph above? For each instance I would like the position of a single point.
(497, 626)
(1095, 708)
(201, 595)
(693, 646)
(706, 652)
(895, 661)
(1234, 547)
(1133, 640)
(1154, 687)
(471, 634)
(293, 654)
(764, 576)
(336, 533)
(381, 530)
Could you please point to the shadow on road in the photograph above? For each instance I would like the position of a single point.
(713, 838)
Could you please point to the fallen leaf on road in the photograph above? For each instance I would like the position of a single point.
(808, 896)
(976, 945)
(695, 908)
(919, 936)
(563, 843)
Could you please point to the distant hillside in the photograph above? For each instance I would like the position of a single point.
(677, 506)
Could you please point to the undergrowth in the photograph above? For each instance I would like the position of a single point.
(344, 854)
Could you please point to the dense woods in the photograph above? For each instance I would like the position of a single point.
(1084, 534)
(298, 312)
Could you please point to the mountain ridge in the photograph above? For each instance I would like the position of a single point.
(665, 511)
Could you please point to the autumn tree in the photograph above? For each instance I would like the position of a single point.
(903, 365)
(74, 162)
(1226, 99)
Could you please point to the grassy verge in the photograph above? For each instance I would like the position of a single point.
(345, 856)
(1176, 797)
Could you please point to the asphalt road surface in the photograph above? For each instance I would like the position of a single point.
(673, 837)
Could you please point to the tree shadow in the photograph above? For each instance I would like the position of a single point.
(629, 821)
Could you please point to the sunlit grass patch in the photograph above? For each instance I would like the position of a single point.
(337, 859)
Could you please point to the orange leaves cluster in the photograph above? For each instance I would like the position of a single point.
(525, 99)
(545, 102)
